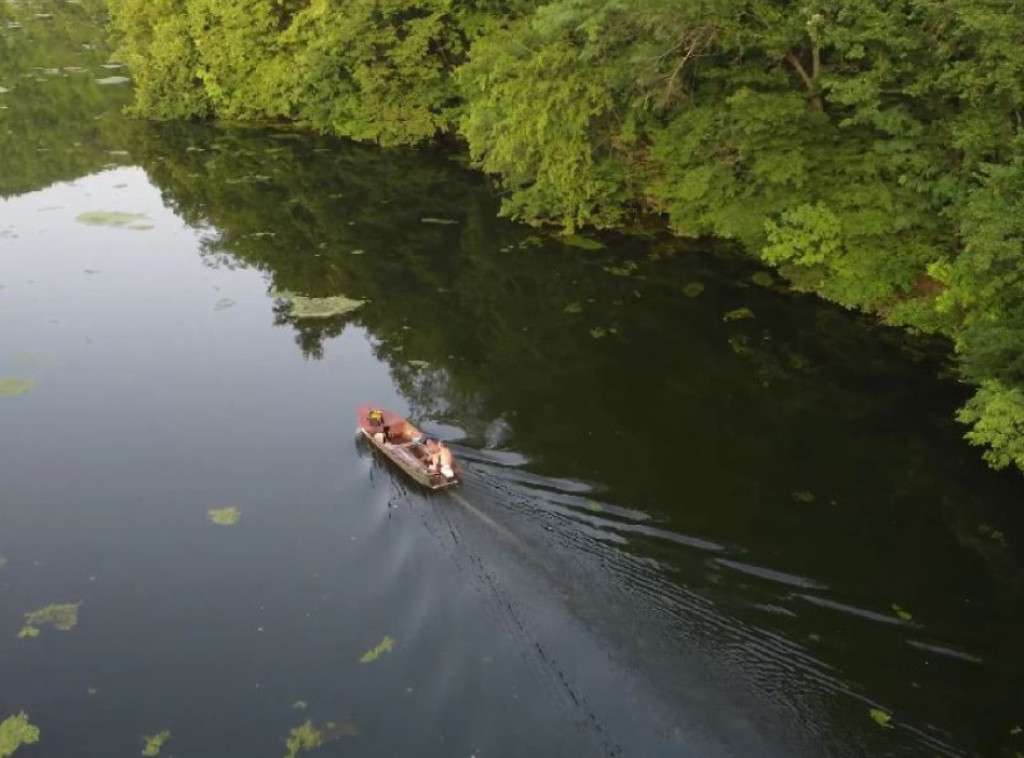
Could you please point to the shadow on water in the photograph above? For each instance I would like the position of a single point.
(711, 517)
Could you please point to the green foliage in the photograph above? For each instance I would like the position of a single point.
(996, 413)
(16, 731)
(155, 742)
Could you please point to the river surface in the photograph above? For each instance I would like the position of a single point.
(701, 515)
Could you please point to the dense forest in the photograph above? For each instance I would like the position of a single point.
(871, 151)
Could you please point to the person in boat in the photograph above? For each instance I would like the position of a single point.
(439, 458)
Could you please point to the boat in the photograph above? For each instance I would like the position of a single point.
(399, 440)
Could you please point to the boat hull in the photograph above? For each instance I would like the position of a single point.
(403, 455)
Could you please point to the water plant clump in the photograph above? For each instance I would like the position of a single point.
(13, 386)
(108, 218)
(308, 737)
(155, 742)
(384, 646)
(323, 307)
(63, 618)
(16, 731)
(225, 516)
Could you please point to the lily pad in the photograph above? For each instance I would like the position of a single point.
(155, 742)
(223, 303)
(299, 705)
(225, 516)
(880, 717)
(109, 80)
(628, 268)
(140, 227)
(323, 307)
(693, 289)
(739, 314)
(598, 332)
(762, 279)
(902, 612)
(803, 496)
(16, 731)
(384, 646)
(572, 308)
(419, 364)
(4, 90)
(63, 618)
(108, 218)
(429, 220)
(13, 386)
(581, 242)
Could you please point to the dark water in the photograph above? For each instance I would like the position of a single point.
(678, 535)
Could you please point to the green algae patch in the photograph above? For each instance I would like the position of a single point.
(581, 242)
(225, 516)
(903, 613)
(880, 717)
(693, 289)
(13, 386)
(108, 218)
(16, 731)
(323, 307)
(63, 618)
(386, 645)
(308, 737)
(155, 742)
(739, 314)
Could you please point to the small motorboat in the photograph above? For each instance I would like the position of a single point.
(404, 444)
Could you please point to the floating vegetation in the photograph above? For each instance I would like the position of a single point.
(3, 561)
(299, 705)
(323, 307)
(693, 289)
(13, 386)
(578, 240)
(155, 742)
(92, 691)
(419, 364)
(984, 530)
(223, 303)
(738, 314)
(305, 737)
(594, 506)
(4, 90)
(880, 717)
(308, 737)
(626, 269)
(599, 332)
(902, 613)
(140, 227)
(763, 279)
(356, 252)
(16, 731)
(225, 516)
(384, 646)
(429, 220)
(108, 218)
(573, 308)
(803, 496)
(109, 80)
(63, 618)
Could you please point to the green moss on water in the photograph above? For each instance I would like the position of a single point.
(13, 386)
(62, 617)
(309, 737)
(225, 516)
(384, 646)
(581, 242)
(739, 314)
(108, 218)
(304, 737)
(16, 731)
(323, 307)
(880, 717)
(902, 612)
(155, 742)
